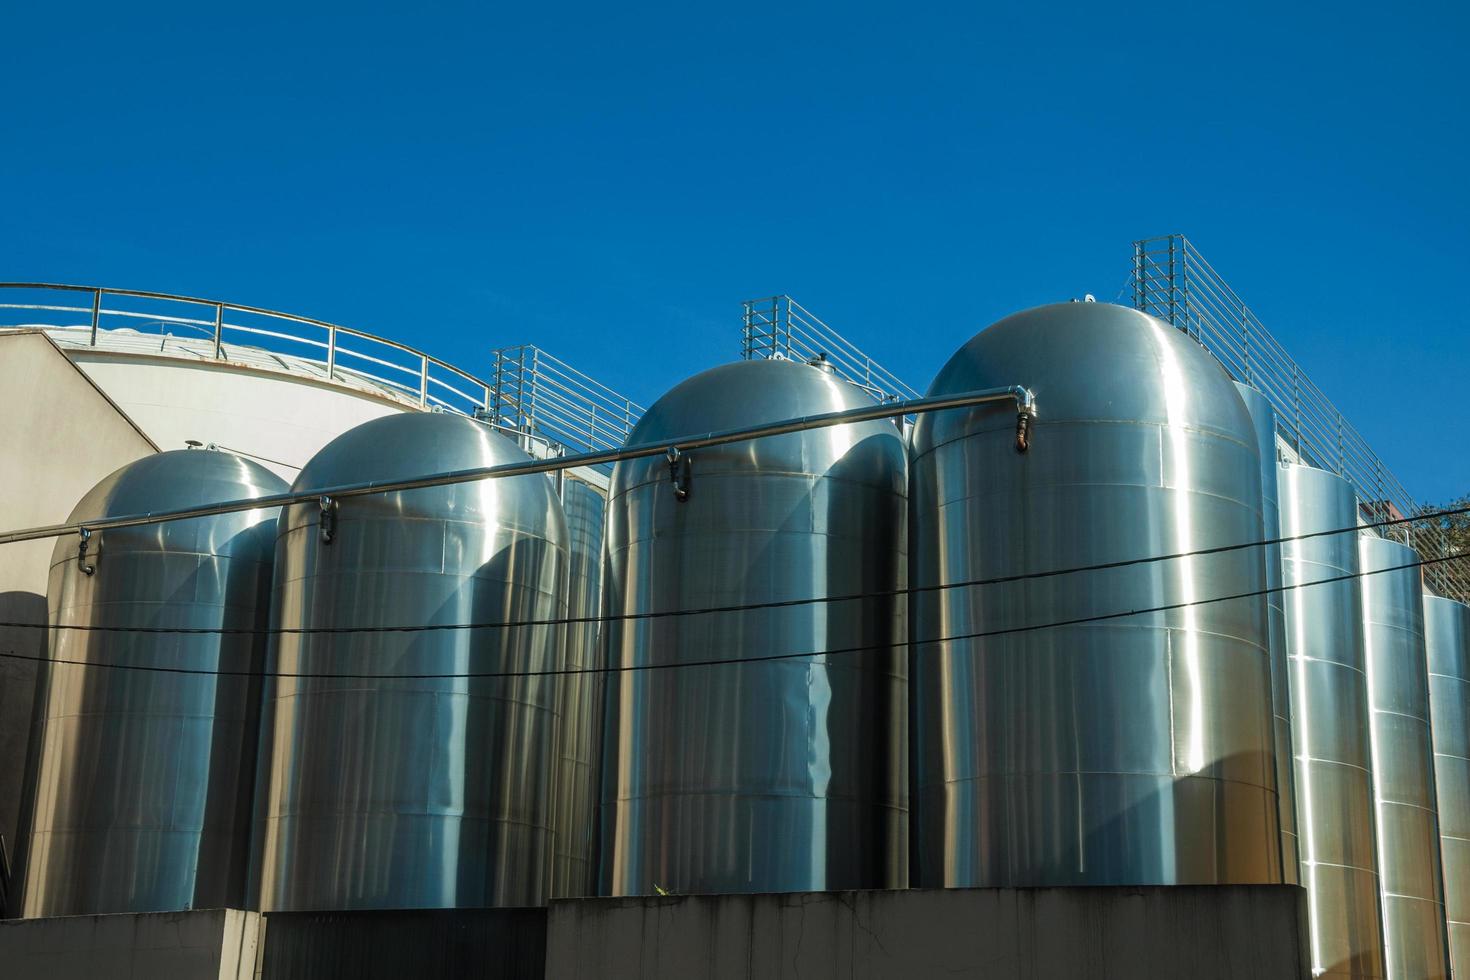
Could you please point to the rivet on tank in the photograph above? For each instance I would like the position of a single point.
(1111, 749)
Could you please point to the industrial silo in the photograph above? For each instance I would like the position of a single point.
(785, 773)
(1264, 418)
(397, 778)
(1330, 723)
(1403, 760)
(580, 696)
(1059, 738)
(1447, 637)
(148, 745)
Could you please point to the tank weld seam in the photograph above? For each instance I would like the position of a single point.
(753, 473)
(1417, 634)
(1406, 897)
(1062, 773)
(320, 813)
(974, 432)
(1410, 806)
(1330, 663)
(375, 691)
(1193, 491)
(739, 795)
(1345, 867)
(1421, 719)
(1319, 761)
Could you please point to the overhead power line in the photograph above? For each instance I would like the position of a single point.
(764, 658)
(730, 608)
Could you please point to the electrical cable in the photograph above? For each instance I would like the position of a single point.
(732, 608)
(765, 658)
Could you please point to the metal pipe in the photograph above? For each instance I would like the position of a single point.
(1023, 398)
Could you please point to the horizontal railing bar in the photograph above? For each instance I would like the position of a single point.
(1021, 397)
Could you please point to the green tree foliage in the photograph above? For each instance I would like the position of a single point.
(1455, 529)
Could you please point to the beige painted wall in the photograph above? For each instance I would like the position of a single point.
(59, 435)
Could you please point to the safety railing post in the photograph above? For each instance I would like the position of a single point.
(1173, 319)
(1341, 456)
(96, 313)
(1140, 301)
(423, 380)
(1296, 404)
(331, 353)
(219, 329)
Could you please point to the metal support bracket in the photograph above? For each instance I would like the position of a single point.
(86, 567)
(679, 472)
(328, 523)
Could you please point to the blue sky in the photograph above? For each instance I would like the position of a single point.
(609, 182)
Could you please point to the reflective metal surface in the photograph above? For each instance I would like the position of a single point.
(1403, 761)
(774, 776)
(1330, 725)
(1447, 638)
(143, 794)
(580, 697)
(398, 793)
(1129, 751)
(1263, 418)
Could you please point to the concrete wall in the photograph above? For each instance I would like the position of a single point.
(282, 418)
(1214, 933)
(59, 435)
(462, 944)
(1199, 933)
(211, 944)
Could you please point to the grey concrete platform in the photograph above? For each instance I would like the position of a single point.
(210, 944)
(1199, 933)
(1216, 933)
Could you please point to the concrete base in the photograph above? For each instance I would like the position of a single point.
(1201, 933)
(465, 944)
(1217, 933)
(211, 944)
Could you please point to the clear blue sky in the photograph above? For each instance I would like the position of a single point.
(609, 182)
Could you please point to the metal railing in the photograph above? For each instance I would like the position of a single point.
(214, 330)
(548, 400)
(1173, 282)
(779, 327)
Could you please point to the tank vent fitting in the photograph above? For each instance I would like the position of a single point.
(1023, 431)
(328, 518)
(86, 567)
(679, 472)
(821, 363)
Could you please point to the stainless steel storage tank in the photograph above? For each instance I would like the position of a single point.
(1330, 723)
(1264, 418)
(392, 791)
(784, 774)
(1403, 761)
(1447, 637)
(580, 697)
(143, 795)
(1128, 750)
